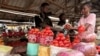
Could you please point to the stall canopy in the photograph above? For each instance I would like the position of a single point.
(23, 10)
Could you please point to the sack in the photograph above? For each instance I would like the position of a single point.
(55, 50)
(88, 49)
(32, 49)
(5, 50)
(44, 51)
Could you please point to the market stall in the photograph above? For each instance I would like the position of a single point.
(49, 28)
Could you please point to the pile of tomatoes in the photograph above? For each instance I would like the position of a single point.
(33, 35)
(46, 36)
(62, 41)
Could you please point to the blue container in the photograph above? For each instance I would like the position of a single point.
(32, 49)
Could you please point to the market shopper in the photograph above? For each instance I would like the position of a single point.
(43, 20)
(88, 20)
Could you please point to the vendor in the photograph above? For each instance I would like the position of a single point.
(88, 20)
(43, 20)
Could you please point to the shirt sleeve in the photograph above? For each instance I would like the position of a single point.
(91, 19)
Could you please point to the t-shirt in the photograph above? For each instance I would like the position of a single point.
(91, 19)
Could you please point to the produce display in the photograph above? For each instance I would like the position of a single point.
(42, 42)
(46, 36)
(33, 35)
(61, 41)
(11, 34)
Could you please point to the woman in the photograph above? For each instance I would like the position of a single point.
(88, 20)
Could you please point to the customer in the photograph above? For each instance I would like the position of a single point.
(62, 19)
(43, 20)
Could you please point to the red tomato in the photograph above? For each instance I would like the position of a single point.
(99, 50)
(97, 47)
(60, 42)
(55, 41)
(61, 45)
(50, 34)
(76, 41)
(62, 38)
(60, 34)
(67, 45)
(65, 42)
(81, 29)
(70, 46)
(56, 44)
(58, 38)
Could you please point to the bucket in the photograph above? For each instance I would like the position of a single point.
(32, 49)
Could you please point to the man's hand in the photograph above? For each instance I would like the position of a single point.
(68, 26)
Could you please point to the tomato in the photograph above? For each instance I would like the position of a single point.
(76, 41)
(81, 29)
(97, 47)
(60, 42)
(58, 38)
(65, 42)
(55, 41)
(70, 46)
(56, 44)
(50, 34)
(61, 45)
(62, 38)
(60, 34)
(67, 45)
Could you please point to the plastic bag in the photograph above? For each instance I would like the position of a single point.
(5, 50)
(55, 50)
(88, 37)
(71, 53)
(44, 51)
(88, 49)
